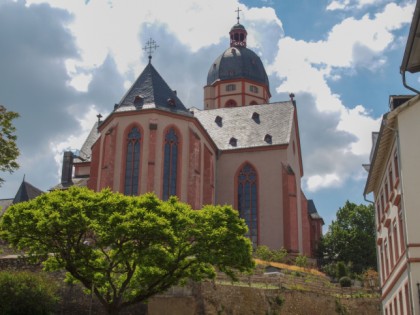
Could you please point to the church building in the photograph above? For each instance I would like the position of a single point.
(239, 150)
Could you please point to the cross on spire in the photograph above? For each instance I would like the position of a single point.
(238, 10)
(150, 47)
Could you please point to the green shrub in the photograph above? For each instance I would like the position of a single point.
(21, 292)
(301, 261)
(345, 282)
(279, 255)
(264, 253)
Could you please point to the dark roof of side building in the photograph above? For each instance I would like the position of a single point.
(238, 63)
(313, 213)
(150, 91)
(250, 126)
(4, 204)
(26, 192)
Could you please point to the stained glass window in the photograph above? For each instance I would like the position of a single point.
(248, 200)
(132, 162)
(170, 164)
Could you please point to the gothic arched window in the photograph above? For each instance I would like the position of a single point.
(132, 162)
(170, 164)
(248, 200)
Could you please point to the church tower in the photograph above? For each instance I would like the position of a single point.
(237, 77)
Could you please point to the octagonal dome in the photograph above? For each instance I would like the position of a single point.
(238, 63)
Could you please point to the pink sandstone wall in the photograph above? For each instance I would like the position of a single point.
(306, 230)
(154, 124)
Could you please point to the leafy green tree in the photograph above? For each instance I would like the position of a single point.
(9, 151)
(127, 248)
(351, 238)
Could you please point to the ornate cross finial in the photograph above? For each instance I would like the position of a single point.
(150, 48)
(238, 14)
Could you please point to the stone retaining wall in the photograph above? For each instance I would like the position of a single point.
(214, 298)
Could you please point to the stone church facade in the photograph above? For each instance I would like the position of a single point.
(239, 150)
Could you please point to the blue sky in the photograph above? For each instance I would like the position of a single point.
(64, 61)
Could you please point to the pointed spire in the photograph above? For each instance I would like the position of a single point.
(150, 47)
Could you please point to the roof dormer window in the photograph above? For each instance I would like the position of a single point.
(233, 142)
(218, 120)
(138, 100)
(171, 101)
(268, 138)
(256, 117)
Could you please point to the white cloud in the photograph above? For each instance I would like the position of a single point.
(116, 30)
(74, 141)
(358, 122)
(352, 44)
(352, 4)
(316, 182)
(338, 5)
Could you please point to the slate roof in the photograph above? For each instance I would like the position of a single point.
(79, 182)
(312, 210)
(4, 204)
(86, 151)
(150, 91)
(26, 192)
(249, 125)
(237, 63)
(237, 26)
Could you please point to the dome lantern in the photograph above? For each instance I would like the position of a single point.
(238, 34)
(237, 77)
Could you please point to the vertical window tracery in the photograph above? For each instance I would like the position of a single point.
(170, 164)
(132, 162)
(248, 200)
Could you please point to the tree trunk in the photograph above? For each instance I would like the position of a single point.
(113, 309)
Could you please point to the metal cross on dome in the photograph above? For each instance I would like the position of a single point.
(150, 47)
(238, 10)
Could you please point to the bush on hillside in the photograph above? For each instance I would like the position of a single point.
(301, 261)
(345, 282)
(265, 253)
(280, 255)
(23, 291)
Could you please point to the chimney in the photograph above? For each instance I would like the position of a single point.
(67, 170)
